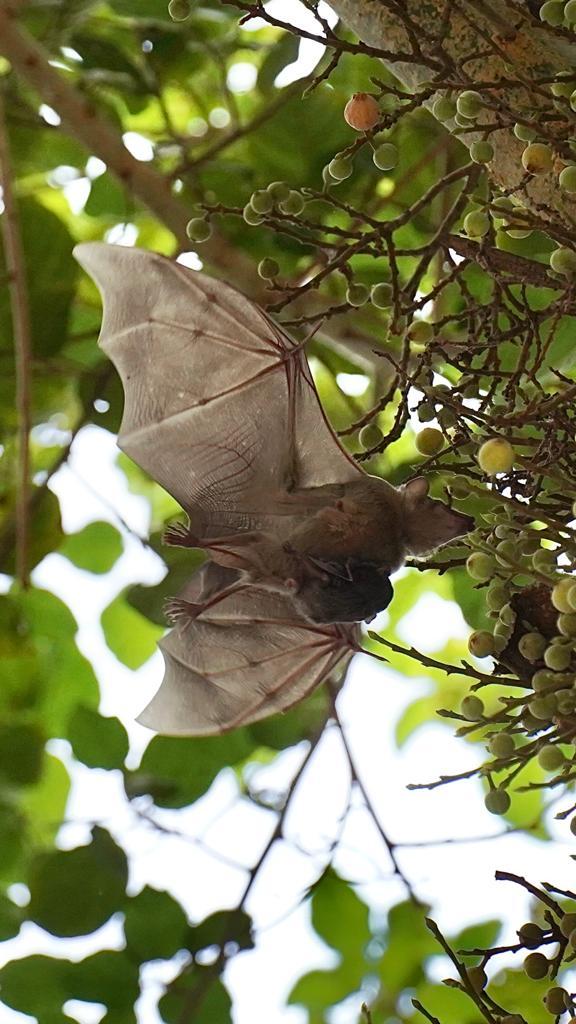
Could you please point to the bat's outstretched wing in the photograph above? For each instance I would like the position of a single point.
(246, 656)
(220, 407)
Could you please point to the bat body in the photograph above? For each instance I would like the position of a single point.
(221, 409)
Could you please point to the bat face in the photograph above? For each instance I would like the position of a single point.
(221, 410)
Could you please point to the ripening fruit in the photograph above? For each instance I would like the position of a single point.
(357, 294)
(198, 229)
(278, 190)
(385, 156)
(481, 152)
(179, 10)
(476, 224)
(567, 178)
(340, 168)
(537, 158)
(557, 657)
(496, 456)
(250, 216)
(444, 109)
(497, 801)
(472, 708)
(570, 12)
(370, 436)
(563, 261)
(536, 966)
(261, 201)
(560, 591)
(481, 643)
(532, 646)
(530, 934)
(524, 133)
(292, 205)
(268, 268)
(469, 103)
(550, 758)
(362, 112)
(568, 925)
(502, 746)
(429, 441)
(420, 332)
(381, 295)
(477, 978)
(480, 566)
(556, 1000)
(552, 12)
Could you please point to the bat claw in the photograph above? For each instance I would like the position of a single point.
(180, 535)
(176, 610)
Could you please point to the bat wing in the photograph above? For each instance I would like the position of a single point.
(220, 406)
(245, 657)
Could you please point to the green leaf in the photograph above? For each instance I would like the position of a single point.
(179, 770)
(73, 892)
(46, 532)
(200, 989)
(50, 277)
(97, 741)
(155, 925)
(283, 53)
(221, 928)
(95, 548)
(21, 754)
(107, 199)
(130, 636)
(45, 803)
(10, 918)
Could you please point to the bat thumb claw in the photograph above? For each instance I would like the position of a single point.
(180, 535)
(176, 610)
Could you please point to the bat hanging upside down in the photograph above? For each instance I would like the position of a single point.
(221, 410)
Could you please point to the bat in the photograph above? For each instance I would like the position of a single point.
(221, 409)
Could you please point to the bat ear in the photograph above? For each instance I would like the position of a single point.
(415, 491)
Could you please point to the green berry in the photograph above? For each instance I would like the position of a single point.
(552, 12)
(480, 566)
(340, 168)
(420, 332)
(268, 268)
(536, 966)
(556, 1000)
(507, 615)
(570, 12)
(370, 436)
(557, 657)
(261, 201)
(530, 935)
(502, 746)
(524, 133)
(571, 596)
(463, 122)
(532, 646)
(537, 158)
(357, 294)
(250, 216)
(544, 560)
(469, 103)
(292, 205)
(496, 597)
(560, 591)
(472, 708)
(542, 680)
(444, 109)
(429, 441)
(567, 624)
(179, 10)
(568, 924)
(481, 152)
(496, 456)
(567, 178)
(481, 643)
(385, 156)
(476, 224)
(543, 708)
(506, 552)
(563, 261)
(278, 190)
(198, 229)
(550, 758)
(381, 295)
(497, 801)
